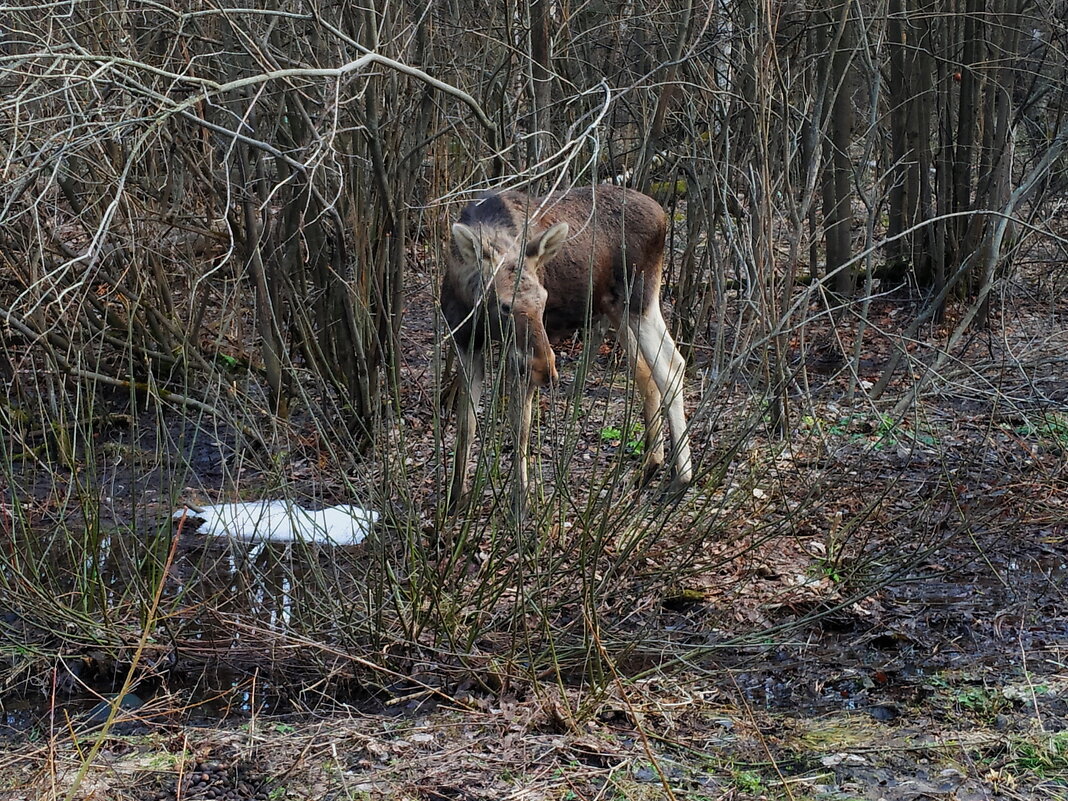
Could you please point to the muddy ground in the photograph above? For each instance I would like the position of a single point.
(949, 685)
(937, 671)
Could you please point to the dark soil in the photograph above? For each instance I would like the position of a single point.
(883, 616)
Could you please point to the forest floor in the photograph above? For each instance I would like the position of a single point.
(949, 681)
(956, 687)
(953, 686)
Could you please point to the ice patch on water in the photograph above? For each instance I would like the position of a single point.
(283, 521)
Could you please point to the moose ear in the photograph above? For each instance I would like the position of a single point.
(548, 244)
(466, 243)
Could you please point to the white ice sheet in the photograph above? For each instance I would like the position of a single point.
(283, 521)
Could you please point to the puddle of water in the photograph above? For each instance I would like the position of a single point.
(980, 622)
(225, 603)
(225, 608)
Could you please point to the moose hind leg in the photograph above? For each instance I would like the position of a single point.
(669, 372)
(651, 407)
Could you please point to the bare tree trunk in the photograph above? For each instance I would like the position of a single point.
(919, 134)
(972, 57)
(995, 183)
(540, 80)
(911, 30)
(763, 217)
(838, 167)
(663, 102)
(898, 217)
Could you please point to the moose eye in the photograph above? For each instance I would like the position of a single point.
(506, 308)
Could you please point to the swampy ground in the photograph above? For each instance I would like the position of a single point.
(901, 587)
(951, 684)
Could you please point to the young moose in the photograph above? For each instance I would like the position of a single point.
(529, 271)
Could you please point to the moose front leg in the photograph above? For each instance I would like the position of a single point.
(470, 379)
(522, 411)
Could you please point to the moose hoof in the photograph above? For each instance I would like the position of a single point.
(458, 502)
(675, 491)
(648, 473)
